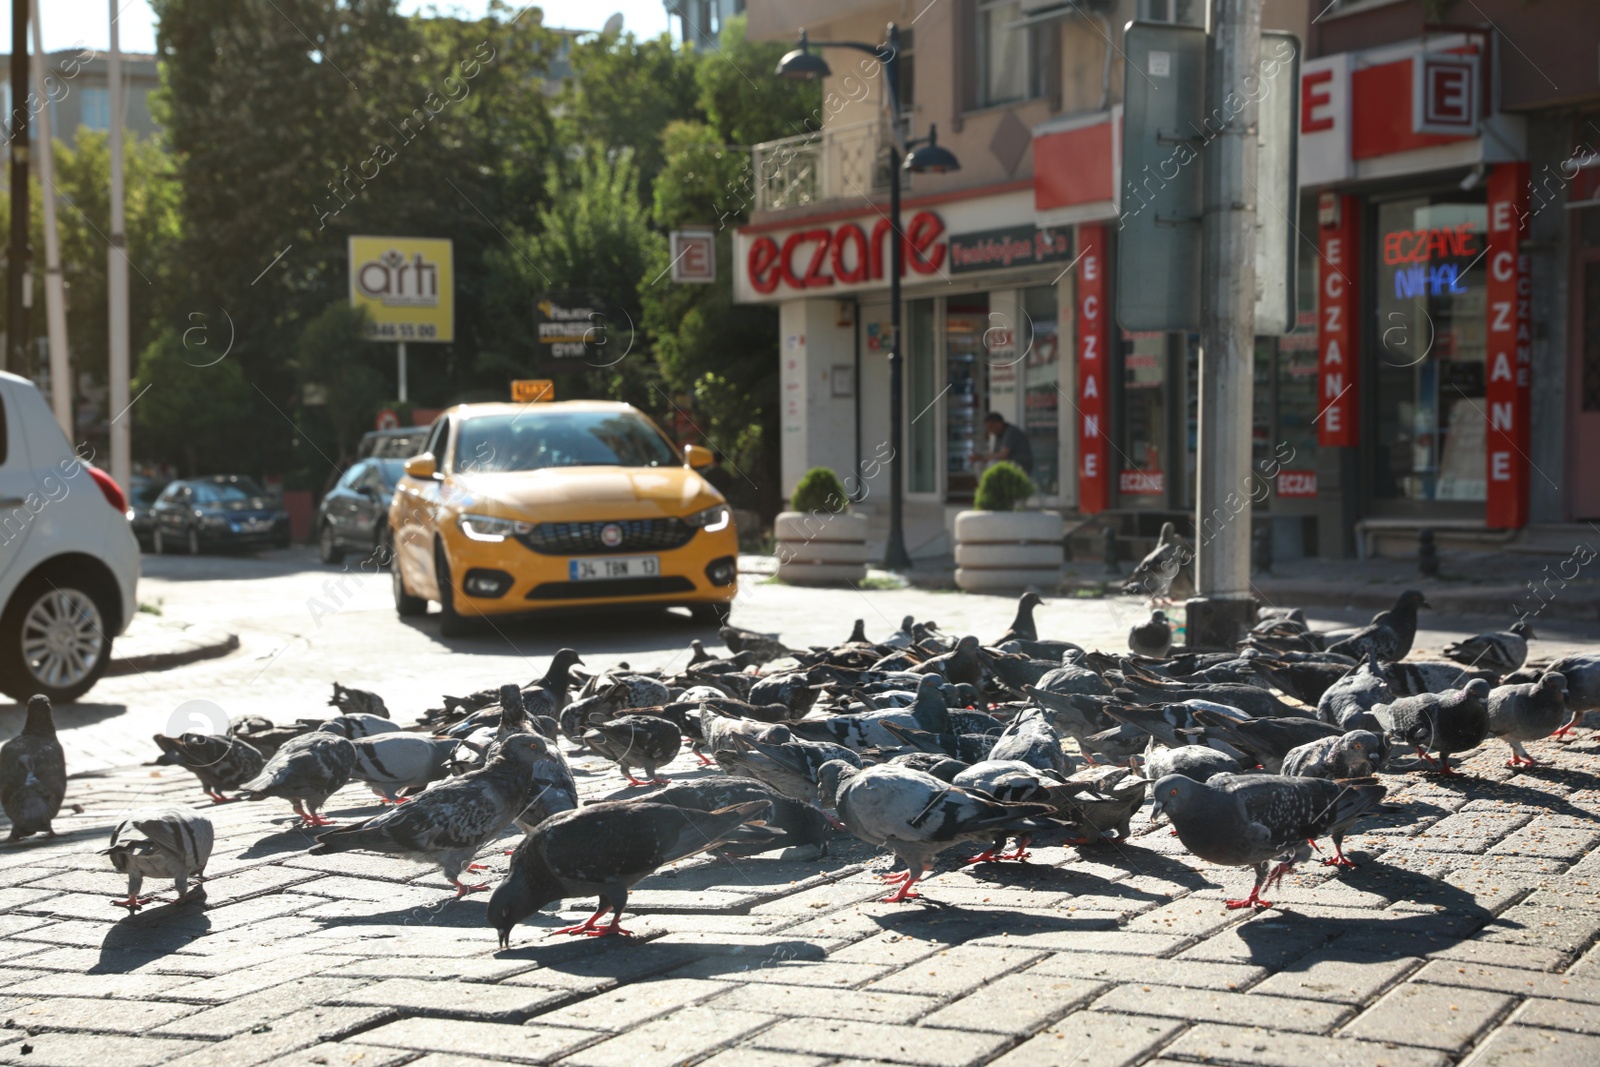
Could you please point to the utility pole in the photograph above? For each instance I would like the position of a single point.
(54, 291)
(14, 357)
(117, 278)
(1223, 608)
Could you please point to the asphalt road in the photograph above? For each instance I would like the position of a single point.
(303, 625)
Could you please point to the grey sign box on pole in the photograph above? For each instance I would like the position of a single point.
(1277, 179)
(1163, 135)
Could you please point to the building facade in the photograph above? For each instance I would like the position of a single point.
(1442, 370)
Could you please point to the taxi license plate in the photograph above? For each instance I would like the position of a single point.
(583, 570)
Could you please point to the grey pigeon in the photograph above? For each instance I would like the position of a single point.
(1152, 638)
(960, 664)
(1192, 761)
(451, 822)
(1073, 678)
(785, 763)
(606, 849)
(1582, 672)
(927, 712)
(1102, 815)
(945, 768)
(219, 761)
(1154, 575)
(400, 763)
(1268, 740)
(763, 648)
(1527, 712)
(1432, 676)
(1389, 635)
(306, 771)
(1022, 627)
(355, 725)
(33, 773)
(1030, 738)
(916, 815)
(1357, 754)
(1013, 782)
(551, 788)
(1243, 820)
(160, 843)
(1446, 723)
(1503, 651)
(646, 741)
(802, 825)
(1362, 689)
(578, 716)
(351, 701)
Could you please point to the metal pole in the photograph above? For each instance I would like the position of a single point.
(400, 361)
(13, 358)
(895, 555)
(117, 277)
(1228, 284)
(55, 304)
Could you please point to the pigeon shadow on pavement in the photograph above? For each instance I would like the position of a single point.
(957, 924)
(1068, 878)
(149, 935)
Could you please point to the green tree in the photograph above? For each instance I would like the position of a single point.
(190, 413)
(343, 381)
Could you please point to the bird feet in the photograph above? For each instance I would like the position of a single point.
(905, 892)
(1252, 901)
(463, 888)
(1020, 855)
(133, 903)
(704, 761)
(218, 798)
(477, 867)
(1521, 761)
(988, 855)
(1565, 734)
(894, 876)
(1339, 860)
(311, 820)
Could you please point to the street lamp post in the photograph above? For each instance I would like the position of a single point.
(918, 156)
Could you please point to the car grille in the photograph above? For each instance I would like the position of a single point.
(610, 587)
(583, 538)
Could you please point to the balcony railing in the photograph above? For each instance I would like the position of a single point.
(833, 163)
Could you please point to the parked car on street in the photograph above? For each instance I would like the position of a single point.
(354, 516)
(217, 512)
(392, 444)
(141, 509)
(69, 563)
(517, 508)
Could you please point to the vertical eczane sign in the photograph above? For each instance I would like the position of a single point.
(1094, 336)
(1337, 296)
(1508, 389)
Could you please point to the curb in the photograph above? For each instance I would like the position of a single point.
(211, 648)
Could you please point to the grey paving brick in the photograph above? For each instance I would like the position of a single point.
(632, 1005)
(750, 1057)
(10, 976)
(344, 1054)
(1093, 1039)
(500, 1041)
(1560, 1015)
(94, 1015)
(95, 1050)
(281, 1039)
(1529, 1046)
(479, 1001)
(1526, 924)
(1260, 1047)
(125, 986)
(1430, 1016)
(428, 968)
(890, 950)
(784, 971)
(1504, 954)
(1338, 976)
(893, 1044)
(1190, 974)
(1092, 941)
(1192, 916)
(241, 1013)
(1512, 980)
(954, 971)
(246, 978)
(1172, 1002)
(671, 1039)
(1017, 1004)
(1540, 839)
(861, 1005)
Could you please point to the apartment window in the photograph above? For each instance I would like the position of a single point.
(95, 109)
(1183, 12)
(1007, 66)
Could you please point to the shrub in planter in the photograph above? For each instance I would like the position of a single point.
(999, 548)
(818, 541)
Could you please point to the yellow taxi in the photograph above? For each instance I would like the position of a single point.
(521, 508)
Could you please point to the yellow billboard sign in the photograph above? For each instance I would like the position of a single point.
(407, 285)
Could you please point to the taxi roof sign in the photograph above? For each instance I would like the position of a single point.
(533, 390)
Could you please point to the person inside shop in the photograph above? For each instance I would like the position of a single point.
(1009, 443)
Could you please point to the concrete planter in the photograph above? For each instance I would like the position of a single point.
(1002, 551)
(816, 548)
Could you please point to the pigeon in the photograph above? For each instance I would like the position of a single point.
(1073, 678)
(646, 741)
(1306, 681)
(927, 712)
(1357, 754)
(1268, 740)
(606, 849)
(262, 735)
(578, 716)
(1503, 651)
(784, 763)
(1030, 738)
(551, 788)
(160, 843)
(352, 701)
(548, 695)
(449, 823)
(33, 773)
(1527, 712)
(969, 748)
(1152, 638)
(763, 648)
(1023, 627)
(1013, 782)
(394, 764)
(1100, 818)
(219, 761)
(1154, 575)
(917, 816)
(961, 664)
(1192, 761)
(1389, 635)
(1582, 672)
(1362, 689)
(1423, 676)
(1251, 820)
(354, 726)
(1449, 722)
(306, 771)
(803, 825)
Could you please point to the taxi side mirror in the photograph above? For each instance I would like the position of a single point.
(698, 456)
(423, 466)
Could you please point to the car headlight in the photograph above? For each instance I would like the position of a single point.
(711, 519)
(489, 528)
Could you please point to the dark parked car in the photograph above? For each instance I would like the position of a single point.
(354, 516)
(222, 511)
(392, 444)
(141, 509)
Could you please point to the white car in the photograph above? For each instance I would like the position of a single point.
(69, 563)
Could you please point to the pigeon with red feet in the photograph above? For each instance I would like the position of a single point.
(630, 741)
(160, 843)
(33, 773)
(219, 761)
(306, 771)
(1530, 711)
(1445, 723)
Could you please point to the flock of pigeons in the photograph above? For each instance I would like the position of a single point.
(916, 743)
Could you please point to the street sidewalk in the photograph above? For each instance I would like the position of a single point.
(159, 643)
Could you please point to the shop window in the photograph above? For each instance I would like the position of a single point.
(966, 392)
(1429, 339)
(1041, 383)
(922, 391)
(1142, 480)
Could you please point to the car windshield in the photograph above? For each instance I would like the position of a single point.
(226, 492)
(142, 496)
(534, 440)
(391, 470)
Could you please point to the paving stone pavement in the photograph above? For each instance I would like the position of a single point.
(1468, 935)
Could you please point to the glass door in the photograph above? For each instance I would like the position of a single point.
(966, 392)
